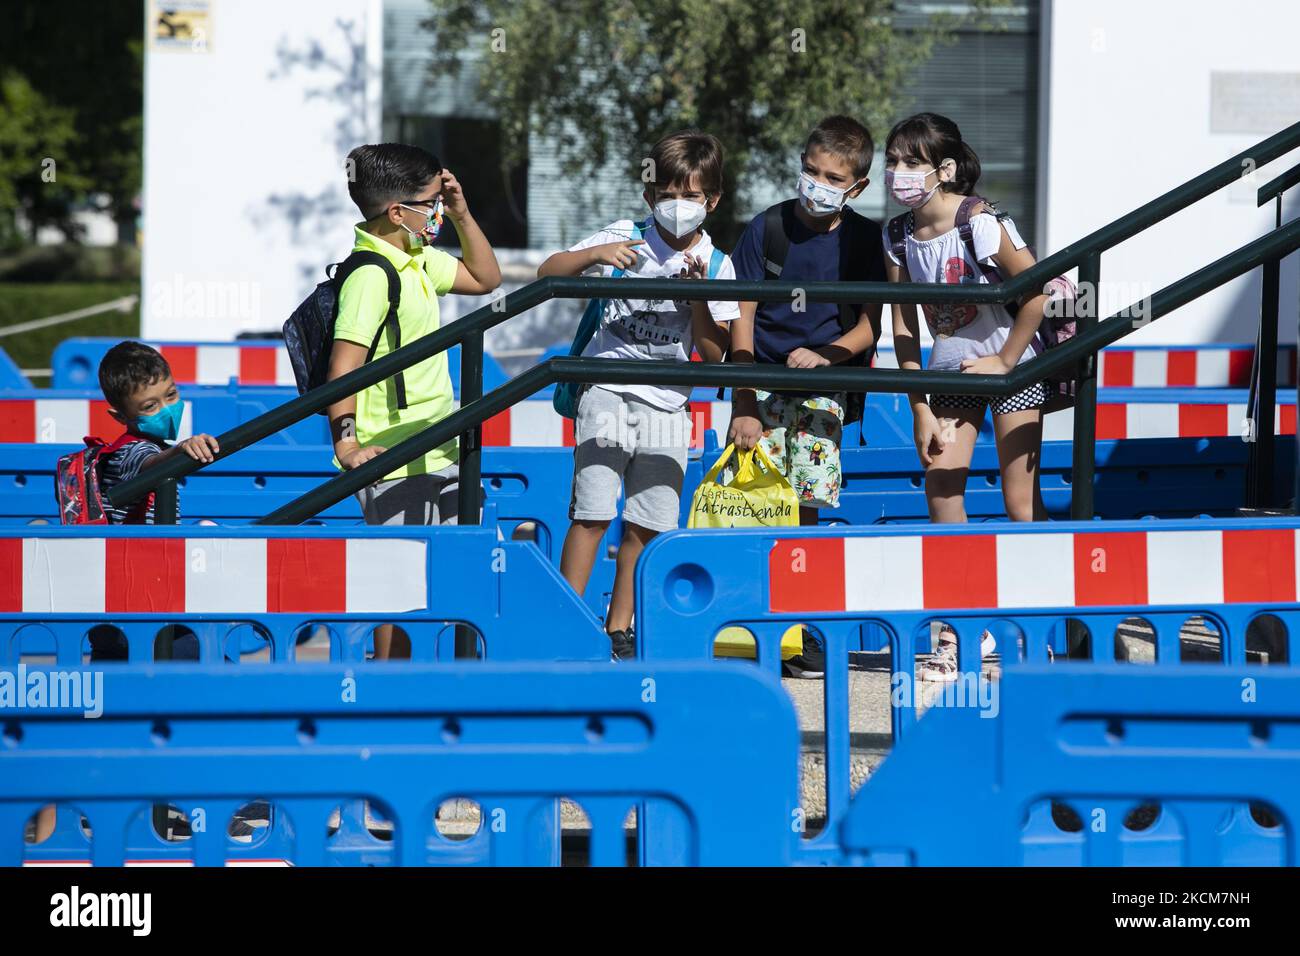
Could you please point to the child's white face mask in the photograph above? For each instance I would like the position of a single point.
(680, 216)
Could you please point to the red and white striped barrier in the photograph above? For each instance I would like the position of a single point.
(212, 575)
(1168, 420)
(1187, 368)
(218, 364)
(65, 421)
(1033, 570)
(1172, 367)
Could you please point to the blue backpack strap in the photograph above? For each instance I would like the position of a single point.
(715, 262)
(639, 229)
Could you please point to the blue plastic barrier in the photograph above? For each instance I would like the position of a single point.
(56, 584)
(872, 589)
(1208, 753)
(11, 376)
(1135, 478)
(75, 363)
(512, 738)
(240, 594)
(527, 489)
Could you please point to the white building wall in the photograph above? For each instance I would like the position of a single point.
(245, 197)
(1127, 117)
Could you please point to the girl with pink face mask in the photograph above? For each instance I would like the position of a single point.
(931, 171)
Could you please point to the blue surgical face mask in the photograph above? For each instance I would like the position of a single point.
(163, 425)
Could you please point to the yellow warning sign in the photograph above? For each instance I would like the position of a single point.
(182, 27)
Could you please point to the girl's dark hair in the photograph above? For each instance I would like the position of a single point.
(127, 367)
(934, 138)
(384, 173)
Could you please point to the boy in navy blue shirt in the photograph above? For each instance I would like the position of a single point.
(812, 238)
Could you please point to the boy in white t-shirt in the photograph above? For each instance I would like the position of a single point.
(635, 437)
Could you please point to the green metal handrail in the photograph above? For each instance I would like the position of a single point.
(832, 378)
(1085, 254)
(1276, 186)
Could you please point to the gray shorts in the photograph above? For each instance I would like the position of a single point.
(621, 442)
(417, 499)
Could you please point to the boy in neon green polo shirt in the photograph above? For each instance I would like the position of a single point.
(399, 190)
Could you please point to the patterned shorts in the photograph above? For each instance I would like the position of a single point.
(801, 434)
(1035, 396)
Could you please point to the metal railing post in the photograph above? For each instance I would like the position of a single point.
(165, 505)
(1259, 492)
(469, 493)
(1085, 396)
(471, 441)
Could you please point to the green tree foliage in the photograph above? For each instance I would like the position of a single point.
(607, 78)
(83, 61)
(33, 135)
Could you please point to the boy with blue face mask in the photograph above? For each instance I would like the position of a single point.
(137, 384)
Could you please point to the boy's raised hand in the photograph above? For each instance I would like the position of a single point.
(200, 447)
(453, 197)
(620, 255)
(695, 268)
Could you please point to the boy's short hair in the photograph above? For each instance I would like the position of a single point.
(381, 174)
(676, 158)
(127, 367)
(846, 138)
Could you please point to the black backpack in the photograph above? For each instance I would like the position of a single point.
(856, 250)
(309, 332)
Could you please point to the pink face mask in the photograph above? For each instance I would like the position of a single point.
(908, 187)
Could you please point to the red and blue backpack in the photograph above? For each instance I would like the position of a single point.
(76, 484)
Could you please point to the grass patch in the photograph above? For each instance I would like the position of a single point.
(22, 302)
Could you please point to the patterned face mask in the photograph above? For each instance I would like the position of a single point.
(432, 225)
(820, 199)
(908, 186)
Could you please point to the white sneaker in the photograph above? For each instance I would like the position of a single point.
(941, 668)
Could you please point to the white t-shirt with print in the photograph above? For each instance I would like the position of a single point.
(652, 329)
(967, 330)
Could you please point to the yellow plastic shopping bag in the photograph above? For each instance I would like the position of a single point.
(757, 497)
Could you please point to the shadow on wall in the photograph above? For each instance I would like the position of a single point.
(339, 77)
(1240, 319)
